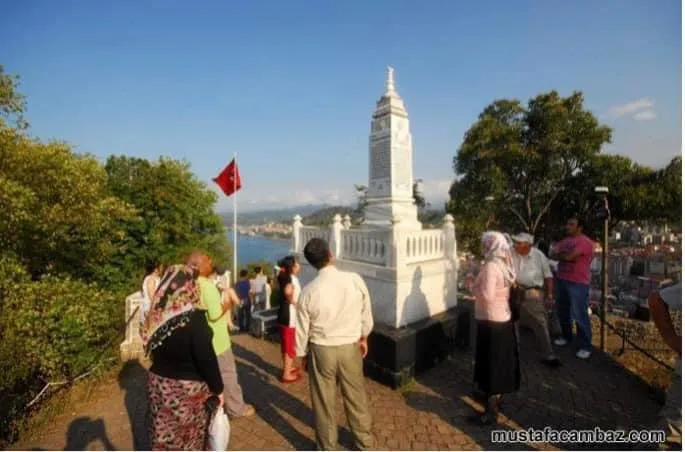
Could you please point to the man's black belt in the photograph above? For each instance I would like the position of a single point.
(531, 288)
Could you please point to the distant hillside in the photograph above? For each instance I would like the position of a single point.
(324, 217)
(284, 215)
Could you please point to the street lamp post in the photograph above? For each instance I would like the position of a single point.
(603, 214)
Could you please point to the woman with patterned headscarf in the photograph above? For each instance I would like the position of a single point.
(497, 369)
(184, 373)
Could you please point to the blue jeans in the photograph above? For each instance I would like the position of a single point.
(245, 315)
(572, 304)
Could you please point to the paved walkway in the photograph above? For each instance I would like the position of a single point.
(429, 415)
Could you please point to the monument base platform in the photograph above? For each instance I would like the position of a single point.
(397, 355)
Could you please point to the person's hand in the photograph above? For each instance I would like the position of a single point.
(221, 399)
(364, 347)
(549, 301)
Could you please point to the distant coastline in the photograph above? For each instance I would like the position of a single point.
(270, 236)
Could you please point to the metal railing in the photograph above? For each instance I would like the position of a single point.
(93, 365)
(623, 333)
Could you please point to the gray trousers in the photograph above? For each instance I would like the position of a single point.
(330, 366)
(233, 393)
(534, 316)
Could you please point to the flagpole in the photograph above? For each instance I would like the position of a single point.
(235, 219)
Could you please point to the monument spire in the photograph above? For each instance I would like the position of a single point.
(390, 82)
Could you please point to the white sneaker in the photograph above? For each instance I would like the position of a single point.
(583, 354)
(560, 341)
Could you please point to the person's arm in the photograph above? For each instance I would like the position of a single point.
(301, 327)
(151, 287)
(203, 353)
(662, 319)
(288, 292)
(548, 276)
(570, 256)
(487, 286)
(367, 316)
(252, 292)
(232, 297)
(215, 310)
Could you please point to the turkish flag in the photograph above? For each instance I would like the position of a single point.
(229, 179)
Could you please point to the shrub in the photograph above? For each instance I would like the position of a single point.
(50, 330)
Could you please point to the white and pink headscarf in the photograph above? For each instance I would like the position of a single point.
(496, 249)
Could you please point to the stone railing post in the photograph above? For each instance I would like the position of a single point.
(336, 236)
(347, 222)
(297, 228)
(450, 237)
(394, 256)
(132, 347)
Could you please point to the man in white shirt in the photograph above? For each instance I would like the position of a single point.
(257, 292)
(665, 307)
(534, 276)
(333, 321)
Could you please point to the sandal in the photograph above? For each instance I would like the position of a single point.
(291, 380)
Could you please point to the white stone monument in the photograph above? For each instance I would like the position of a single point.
(411, 272)
(391, 180)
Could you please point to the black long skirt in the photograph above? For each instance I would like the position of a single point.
(497, 369)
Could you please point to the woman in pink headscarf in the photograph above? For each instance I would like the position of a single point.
(497, 369)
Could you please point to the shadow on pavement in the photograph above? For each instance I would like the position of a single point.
(83, 431)
(581, 394)
(133, 379)
(267, 397)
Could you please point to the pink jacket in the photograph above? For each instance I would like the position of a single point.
(492, 294)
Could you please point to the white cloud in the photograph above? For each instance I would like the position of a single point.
(436, 192)
(646, 115)
(629, 108)
(280, 196)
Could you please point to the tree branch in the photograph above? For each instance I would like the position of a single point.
(544, 210)
(519, 216)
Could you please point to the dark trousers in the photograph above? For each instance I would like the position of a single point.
(572, 304)
(245, 315)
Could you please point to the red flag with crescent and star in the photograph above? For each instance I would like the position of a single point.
(229, 179)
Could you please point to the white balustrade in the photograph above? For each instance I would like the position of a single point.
(132, 347)
(423, 245)
(309, 232)
(365, 246)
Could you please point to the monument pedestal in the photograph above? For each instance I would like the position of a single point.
(397, 355)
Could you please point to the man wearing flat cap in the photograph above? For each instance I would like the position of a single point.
(534, 276)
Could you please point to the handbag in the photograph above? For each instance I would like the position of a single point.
(219, 431)
(516, 294)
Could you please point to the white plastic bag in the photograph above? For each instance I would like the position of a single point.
(219, 431)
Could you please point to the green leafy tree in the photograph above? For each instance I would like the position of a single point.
(361, 192)
(12, 102)
(176, 211)
(665, 189)
(55, 213)
(524, 157)
(417, 194)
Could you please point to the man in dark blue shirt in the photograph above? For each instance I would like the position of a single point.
(242, 289)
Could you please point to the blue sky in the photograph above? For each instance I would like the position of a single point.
(291, 85)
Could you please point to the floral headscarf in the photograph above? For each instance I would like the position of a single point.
(496, 249)
(175, 299)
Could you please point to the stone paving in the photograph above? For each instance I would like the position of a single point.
(431, 414)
